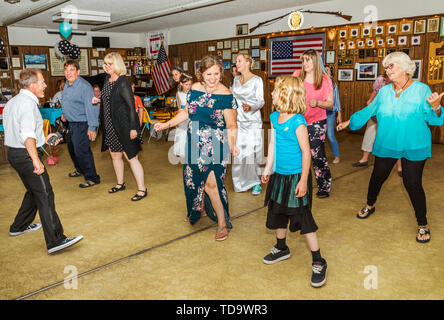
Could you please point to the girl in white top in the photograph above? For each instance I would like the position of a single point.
(180, 137)
(248, 89)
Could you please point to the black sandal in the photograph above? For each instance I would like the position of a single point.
(115, 189)
(74, 174)
(138, 197)
(365, 211)
(88, 183)
(421, 232)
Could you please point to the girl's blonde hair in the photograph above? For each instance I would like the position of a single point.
(317, 68)
(402, 60)
(248, 58)
(116, 59)
(291, 94)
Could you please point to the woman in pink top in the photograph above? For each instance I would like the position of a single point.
(319, 97)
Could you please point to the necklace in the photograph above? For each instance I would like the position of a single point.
(209, 92)
(400, 90)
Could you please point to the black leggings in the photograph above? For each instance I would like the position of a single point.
(411, 177)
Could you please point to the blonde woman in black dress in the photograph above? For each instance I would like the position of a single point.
(120, 124)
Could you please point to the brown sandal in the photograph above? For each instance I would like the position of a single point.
(222, 233)
(423, 230)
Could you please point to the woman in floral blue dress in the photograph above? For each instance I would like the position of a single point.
(211, 139)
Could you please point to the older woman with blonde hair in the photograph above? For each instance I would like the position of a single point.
(403, 111)
(120, 124)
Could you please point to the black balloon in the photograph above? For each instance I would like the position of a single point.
(64, 47)
(74, 52)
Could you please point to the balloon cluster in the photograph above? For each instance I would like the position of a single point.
(64, 48)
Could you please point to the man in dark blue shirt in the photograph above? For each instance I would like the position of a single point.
(83, 117)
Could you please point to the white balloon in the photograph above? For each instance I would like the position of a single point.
(57, 51)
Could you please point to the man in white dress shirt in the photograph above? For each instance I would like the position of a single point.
(24, 136)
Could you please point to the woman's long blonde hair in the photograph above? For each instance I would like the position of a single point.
(317, 68)
(291, 94)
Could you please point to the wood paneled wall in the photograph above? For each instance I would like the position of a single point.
(51, 81)
(354, 94)
(5, 81)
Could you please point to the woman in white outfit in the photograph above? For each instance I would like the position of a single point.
(248, 89)
(180, 138)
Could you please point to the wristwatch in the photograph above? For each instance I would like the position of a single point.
(437, 108)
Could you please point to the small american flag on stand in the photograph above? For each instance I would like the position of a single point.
(161, 71)
(285, 52)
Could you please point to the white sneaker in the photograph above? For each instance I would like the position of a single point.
(30, 228)
(65, 243)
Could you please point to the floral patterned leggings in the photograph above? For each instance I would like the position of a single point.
(316, 134)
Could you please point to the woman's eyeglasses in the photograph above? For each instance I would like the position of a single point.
(389, 67)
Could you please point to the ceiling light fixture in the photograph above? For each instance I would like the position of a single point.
(164, 12)
(82, 16)
(74, 33)
(12, 1)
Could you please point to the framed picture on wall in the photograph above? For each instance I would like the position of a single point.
(367, 71)
(354, 33)
(402, 41)
(4, 65)
(420, 26)
(345, 74)
(416, 40)
(417, 74)
(226, 54)
(37, 61)
(442, 27)
(255, 53)
(379, 31)
(433, 25)
(330, 56)
(392, 29)
(367, 32)
(241, 29)
(196, 66)
(406, 28)
(255, 42)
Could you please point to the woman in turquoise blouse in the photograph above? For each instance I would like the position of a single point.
(211, 138)
(403, 109)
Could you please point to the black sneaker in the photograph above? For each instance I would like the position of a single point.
(276, 255)
(65, 243)
(322, 194)
(30, 228)
(319, 275)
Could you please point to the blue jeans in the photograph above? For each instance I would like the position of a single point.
(331, 132)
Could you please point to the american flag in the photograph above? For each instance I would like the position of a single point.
(285, 52)
(161, 71)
